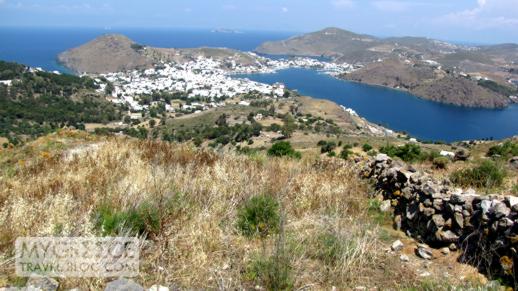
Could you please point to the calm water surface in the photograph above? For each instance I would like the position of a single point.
(401, 111)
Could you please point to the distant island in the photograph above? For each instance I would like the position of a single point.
(479, 76)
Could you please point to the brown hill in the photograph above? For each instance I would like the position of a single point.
(113, 53)
(429, 83)
(107, 53)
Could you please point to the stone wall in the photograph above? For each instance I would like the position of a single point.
(484, 227)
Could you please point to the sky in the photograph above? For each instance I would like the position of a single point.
(474, 21)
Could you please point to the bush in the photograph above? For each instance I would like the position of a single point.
(282, 149)
(259, 216)
(143, 219)
(329, 249)
(326, 146)
(345, 153)
(487, 175)
(408, 152)
(440, 162)
(274, 272)
(366, 147)
(505, 150)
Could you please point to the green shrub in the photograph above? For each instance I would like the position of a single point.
(505, 150)
(274, 272)
(259, 216)
(282, 149)
(487, 175)
(345, 153)
(366, 147)
(140, 220)
(408, 152)
(329, 249)
(514, 190)
(440, 162)
(326, 146)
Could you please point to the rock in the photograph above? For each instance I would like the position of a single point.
(397, 246)
(430, 189)
(425, 274)
(511, 201)
(461, 155)
(42, 283)
(459, 219)
(438, 220)
(385, 206)
(412, 211)
(452, 247)
(158, 288)
(381, 158)
(513, 162)
(404, 258)
(485, 205)
(499, 210)
(424, 253)
(123, 284)
(446, 236)
(445, 251)
(438, 204)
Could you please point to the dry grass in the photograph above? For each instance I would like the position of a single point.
(56, 191)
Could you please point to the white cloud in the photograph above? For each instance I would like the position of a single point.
(486, 14)
(284, 9)
(343, 3)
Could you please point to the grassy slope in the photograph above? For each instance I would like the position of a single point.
(55, 185)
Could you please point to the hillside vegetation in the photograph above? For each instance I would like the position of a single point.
(37, 103)
(211, 220)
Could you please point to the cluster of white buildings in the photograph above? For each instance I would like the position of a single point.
(266, 65)
(210, 79)
(203, 77)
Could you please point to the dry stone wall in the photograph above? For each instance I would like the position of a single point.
(484, 227)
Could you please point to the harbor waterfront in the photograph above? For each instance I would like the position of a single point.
(398, 110)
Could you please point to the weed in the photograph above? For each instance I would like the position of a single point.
(259, 216)
(486, 175)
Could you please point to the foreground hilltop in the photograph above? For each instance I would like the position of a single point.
(115, 53)
(254, 220)
(482, 76)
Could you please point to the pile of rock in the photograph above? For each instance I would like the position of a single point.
(434, 212)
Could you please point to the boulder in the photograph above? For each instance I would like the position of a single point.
(397, 246)
(381, 158)
(438, 220)
(511, 201)
(123, 284)
(424, 253)
(499, 210)
(446, 236)
(459, 219)
(461, 155)
(404, 258)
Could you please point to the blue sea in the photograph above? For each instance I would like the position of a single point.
(399, 110)
(39, 47)
(394, 109)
